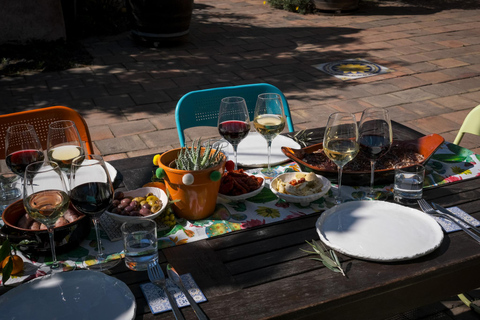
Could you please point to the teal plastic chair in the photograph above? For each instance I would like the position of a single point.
(200, 108)
(471, 124)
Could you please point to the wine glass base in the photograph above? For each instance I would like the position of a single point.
(272, 173)
(100, 264)
(377, 195)
(61, 267)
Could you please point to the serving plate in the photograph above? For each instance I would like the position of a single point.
(245, 195)
(379, 231)
(252, 151)
(70, 295)
(426, 146)
(303, 200)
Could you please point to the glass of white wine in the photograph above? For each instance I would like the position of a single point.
(63, 143)
(45, 198)
(340, 143)
(269, 121)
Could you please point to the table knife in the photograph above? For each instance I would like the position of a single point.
(447, 212)
(175, 277)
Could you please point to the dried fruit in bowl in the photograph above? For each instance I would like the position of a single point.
(238, 182)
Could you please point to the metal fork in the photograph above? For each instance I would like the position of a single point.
(428, 209)
(157, 277)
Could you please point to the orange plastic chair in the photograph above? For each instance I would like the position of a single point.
(40, 119)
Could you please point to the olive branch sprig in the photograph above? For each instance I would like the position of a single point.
(302, 137)
(327, 256)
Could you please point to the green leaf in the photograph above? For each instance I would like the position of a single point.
(7, 271)
(327, 257)
(449, 158)
(5, 250)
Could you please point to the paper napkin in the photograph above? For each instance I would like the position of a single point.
(449, 226)
(158, 301)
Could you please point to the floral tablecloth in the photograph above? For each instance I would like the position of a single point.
(449, 163)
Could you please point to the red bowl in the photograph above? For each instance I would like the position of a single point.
(66, 237)
(426, 146)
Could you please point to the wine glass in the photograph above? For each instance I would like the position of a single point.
(91, 192)
(269, 121)
(375, 139)
(63, 143)
(233, 122)
(45, 197)
(22, 147)
(340, 143)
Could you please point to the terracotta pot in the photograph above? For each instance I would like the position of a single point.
(197, 200)
(336, 5)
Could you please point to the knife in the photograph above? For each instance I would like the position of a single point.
(447, 212)
(172, 273)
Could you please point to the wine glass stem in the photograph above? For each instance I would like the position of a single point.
(96, 223)
(55, 263)
(269, 150)
(340, 171)
(372, 164)
(235, 156)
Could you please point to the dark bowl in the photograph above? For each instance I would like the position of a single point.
(66, 237)
(425, 146)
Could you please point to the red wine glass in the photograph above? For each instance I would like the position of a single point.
(375, 138)
(91, 192)
(22, 147)
(233, 122)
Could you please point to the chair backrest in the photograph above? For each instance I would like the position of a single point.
(40, 119)
(471, 124)
(200, 108)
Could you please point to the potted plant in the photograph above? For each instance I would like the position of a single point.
(160, 20)
(192, 176)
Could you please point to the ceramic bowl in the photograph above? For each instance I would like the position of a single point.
(303, 200)
(426, 146)
(243, 196)
(141, 192)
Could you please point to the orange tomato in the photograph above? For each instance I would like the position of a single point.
(156, 184)
(17, 263)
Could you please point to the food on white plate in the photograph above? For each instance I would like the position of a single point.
(135, 206)
(304, 184)
(238, 182)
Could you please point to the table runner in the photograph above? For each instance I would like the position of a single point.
(448, 164)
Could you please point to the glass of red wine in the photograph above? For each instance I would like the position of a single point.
(91, 193)
(375, 138)
(45, 198)
(22, 147)
(233, 122)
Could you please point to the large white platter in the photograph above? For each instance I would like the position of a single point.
(252, 151)
(70, 295)
(379, 231)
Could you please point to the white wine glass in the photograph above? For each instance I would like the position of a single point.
(63, 143)
(269, 121)
(375, 140)
(45, 198)
(340, 143)
(22, 147)
(233, 122)
(91, 193)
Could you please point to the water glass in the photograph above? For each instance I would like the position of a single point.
(10, 189)
(408, 187)
(140, 243)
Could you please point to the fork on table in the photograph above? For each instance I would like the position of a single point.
(427, 208)
(157, 277)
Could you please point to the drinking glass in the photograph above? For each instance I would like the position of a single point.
(91, 192)
(376, 136)
(45, 197)
(63, 143)
(269, 121)
(233, 122)
(340, 143)
(22, 147)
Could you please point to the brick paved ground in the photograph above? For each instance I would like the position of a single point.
(128, 95)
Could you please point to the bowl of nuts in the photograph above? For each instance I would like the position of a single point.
(142, 203)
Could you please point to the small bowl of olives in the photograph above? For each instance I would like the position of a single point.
(143, 203)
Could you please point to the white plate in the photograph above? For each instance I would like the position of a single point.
(379, 231)
(142, 192)
(70, 295)
(252, 151)
(303, 200)
(244, 196)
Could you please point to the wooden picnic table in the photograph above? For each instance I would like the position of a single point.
(261, 273)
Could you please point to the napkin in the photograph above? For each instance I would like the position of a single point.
(158, 301)
(449, 226)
